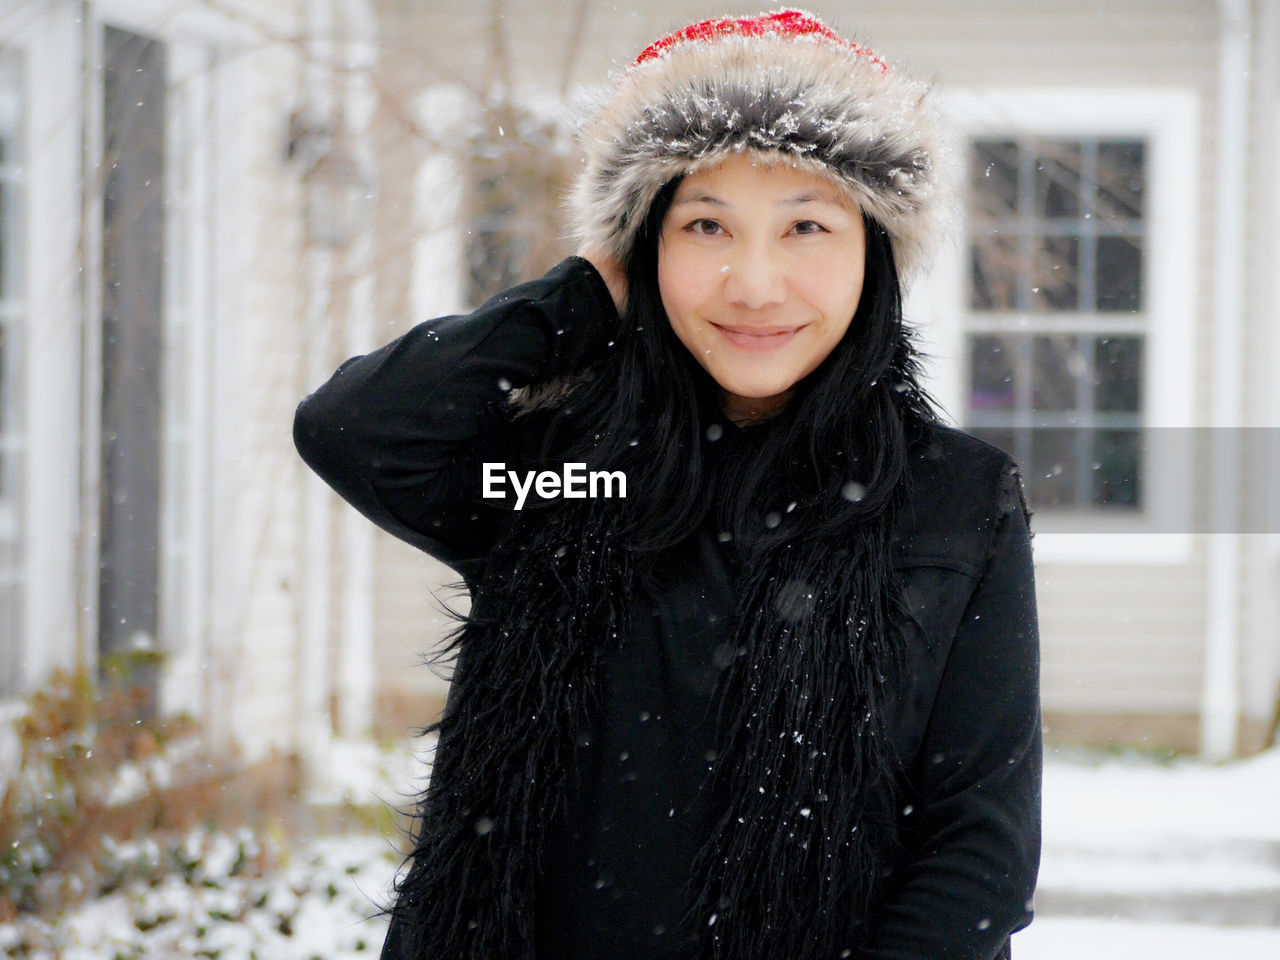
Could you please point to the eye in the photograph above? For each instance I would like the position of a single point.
(806, 227)
(706, 227)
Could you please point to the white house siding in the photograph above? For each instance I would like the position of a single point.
(1133, 646)
(409, 623)
(1118, 639)
(259, 524)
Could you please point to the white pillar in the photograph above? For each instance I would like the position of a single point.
(1220, 706)
(314, 733)
(355, 674)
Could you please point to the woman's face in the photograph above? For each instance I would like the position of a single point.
(760, 268)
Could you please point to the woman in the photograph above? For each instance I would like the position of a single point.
(780, 700)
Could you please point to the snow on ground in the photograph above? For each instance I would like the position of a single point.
(1129, 825)
(1119, 798)
(1169, 866)
(362, 772)
(1133, 849)
(1136, 850)
(1058, 938)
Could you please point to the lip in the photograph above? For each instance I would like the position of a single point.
(758, 338)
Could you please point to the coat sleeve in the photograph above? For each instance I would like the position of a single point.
(974, 821)
(401, 433)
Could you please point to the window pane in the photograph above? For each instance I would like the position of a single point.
(1003, 438)
(1056, 365)
(1117, 466)
(995, 267)
(1117, 374)
(133, 281)
(1053, 468)
(1119, 274)
(1055, 279)
(1070, 241)
(1121, 179)
(994, 178)
(992, 363)
(1057, 182)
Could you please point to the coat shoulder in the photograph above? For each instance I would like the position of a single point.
(957, 489)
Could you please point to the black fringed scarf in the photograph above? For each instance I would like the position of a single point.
(793, 865)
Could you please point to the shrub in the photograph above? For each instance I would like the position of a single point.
(93, 761)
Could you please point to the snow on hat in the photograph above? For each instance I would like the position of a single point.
(780, 84)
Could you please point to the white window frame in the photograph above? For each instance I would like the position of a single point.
(47, 40)
(1167, 120)
(191, 89)
(61, 377)
(13, 174)
(195, 244)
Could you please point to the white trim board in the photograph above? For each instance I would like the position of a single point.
(50, 407)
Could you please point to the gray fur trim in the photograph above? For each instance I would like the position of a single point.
(806, 99)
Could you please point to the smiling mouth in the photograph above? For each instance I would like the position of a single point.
(758, 338)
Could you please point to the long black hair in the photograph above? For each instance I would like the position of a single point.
(834, 455)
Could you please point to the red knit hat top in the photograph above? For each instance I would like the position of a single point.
(783, 23)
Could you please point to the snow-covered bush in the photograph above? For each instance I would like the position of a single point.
(92, 767)
(318, 903)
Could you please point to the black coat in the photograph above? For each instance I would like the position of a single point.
(401, 434)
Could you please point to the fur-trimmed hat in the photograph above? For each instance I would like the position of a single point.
(781, 83)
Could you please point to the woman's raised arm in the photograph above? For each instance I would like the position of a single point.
(401, 433)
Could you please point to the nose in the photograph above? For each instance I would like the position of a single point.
(755, 278)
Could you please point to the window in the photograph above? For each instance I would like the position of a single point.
(133, 275)
(1057, 314)
(100, 538)
(11, 378)
(1063, 324)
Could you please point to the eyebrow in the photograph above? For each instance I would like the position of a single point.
(808, 196)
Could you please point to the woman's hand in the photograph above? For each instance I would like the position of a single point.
(611, 272)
